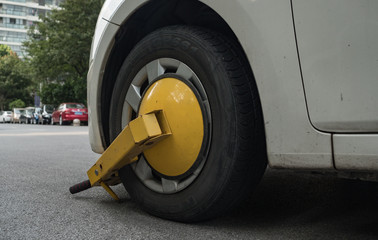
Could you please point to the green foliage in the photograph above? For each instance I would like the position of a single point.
(56, 93)
(18, 103)
(5, 50)
(59, 49)
(14, 81)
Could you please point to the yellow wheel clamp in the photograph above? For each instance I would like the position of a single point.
(140, 134)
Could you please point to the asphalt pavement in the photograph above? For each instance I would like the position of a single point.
(38, 163)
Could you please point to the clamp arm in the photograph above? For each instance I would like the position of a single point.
(140, 134)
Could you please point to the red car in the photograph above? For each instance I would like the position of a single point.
(67, 112)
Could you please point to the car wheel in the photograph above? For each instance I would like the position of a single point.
(61, 122)
(186, 185)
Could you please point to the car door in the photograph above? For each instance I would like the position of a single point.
(337, 48)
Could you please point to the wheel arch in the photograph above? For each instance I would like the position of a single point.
(147, 17)
(265, 33)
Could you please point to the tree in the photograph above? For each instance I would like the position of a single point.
(14, 81)
(5, 50)
(59, 49)
(18, 103)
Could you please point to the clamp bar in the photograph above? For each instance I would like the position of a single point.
(140, 134)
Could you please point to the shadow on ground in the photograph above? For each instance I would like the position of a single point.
(310, 202)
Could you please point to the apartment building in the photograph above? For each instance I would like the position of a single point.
(16, 16)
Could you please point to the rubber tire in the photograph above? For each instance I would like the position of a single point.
(237, 156)
(61, 122)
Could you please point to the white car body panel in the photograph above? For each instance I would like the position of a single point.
(356, 152)
(337, 42)
(101, 45)
(266, 32)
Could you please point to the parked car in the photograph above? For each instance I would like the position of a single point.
(6, 117)
(29, 114)
(45, 114)
(23, 116)
(288, 83)
(67, 112)
(37, 114)
(16, 115)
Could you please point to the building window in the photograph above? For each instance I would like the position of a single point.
(32, 11)
(12, 20)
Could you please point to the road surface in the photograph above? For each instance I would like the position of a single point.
(39, 164)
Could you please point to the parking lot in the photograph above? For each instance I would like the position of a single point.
(40, 162)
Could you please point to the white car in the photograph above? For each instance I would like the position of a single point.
(6, 117)
(243, 83)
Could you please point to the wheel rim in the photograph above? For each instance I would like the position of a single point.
(142, 81)
(60, 120)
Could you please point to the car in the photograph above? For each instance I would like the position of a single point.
(29, 114)
(37, 114)
(67, 112)
(6, 117)
(45, 114)
(23, 118)
(16, 115)
(244, 84)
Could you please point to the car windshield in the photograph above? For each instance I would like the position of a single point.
(16, 111)
(29, 111)
(74, 105)
(9, 112)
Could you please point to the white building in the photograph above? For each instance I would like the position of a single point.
(16, 16)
